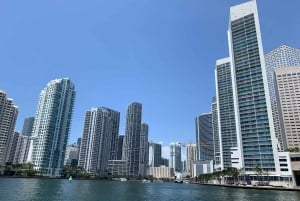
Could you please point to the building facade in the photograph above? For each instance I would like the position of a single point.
(254, 122)
(8, 117)
(154, 154)
(120, 147)
(226, 115)
(96, 141)
(287, 82)
(71, 156)
(283, 56)
(161, 172)
(27, 126)
(144, 151)
(132, 139)
(175, 157)
(216, 135)
(204, 137)
(52, 126)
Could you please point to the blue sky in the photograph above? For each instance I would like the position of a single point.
(160, 53)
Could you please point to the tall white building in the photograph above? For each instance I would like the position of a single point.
(52, 126)
(253, 113)
(190, 157)
(96, 141)
(8, 117)
(281, 57)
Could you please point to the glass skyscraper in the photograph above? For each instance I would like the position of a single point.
(132, 138)
(154, 154)
(175, 156)
(255, 129)
(51, 126)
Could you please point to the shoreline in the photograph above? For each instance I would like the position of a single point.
(252, 187)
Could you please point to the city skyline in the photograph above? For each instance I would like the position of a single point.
(135, 67)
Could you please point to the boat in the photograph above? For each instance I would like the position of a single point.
(123, 179)
(146, 181)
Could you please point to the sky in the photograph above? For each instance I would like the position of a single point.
(160, 53)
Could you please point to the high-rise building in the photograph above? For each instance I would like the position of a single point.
(164, 162)
(52, 126)
(115, 116)
(99, 126)
(175, 156)
(12, 147)
(144, 151)
(120, 140)
(254, 122)
(287, 87)
(190, 157)
(27, 126)
(8, 117)
(71, 155)
(216, 140)
(154, 154)
(283, 56)
(22, 148)
(204, 137)
(132, 139)
(226, 116)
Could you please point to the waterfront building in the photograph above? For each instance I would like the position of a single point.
(96, 139)
(8, 117)
(226, 116)
(204, 137)
(154, 154)
(27, 126)
(175, 156)
(161, 172)
(283, 56)
(216, 135)
(71, 156)
(12, 147)
(117, 167)
(287, 87)
(144, 151)
(254, 122)
(203, 167)
(51, 127)
(132, 139)
(22, 148)
(120, 140)
(115, 116)
(190, 157)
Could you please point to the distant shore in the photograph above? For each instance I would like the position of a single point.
(253, 187)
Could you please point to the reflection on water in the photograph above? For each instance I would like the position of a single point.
(59, 189)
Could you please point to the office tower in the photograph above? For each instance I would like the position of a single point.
(115, 118)
(131, 144)
(175, 156)
(216, 140)
(144, 151)
(99, 126)
(8, 116)
(22, 148)
(287, 88)
(71, 155)
(51, 127)
(154, 154)
(78, 143)
(283, 56)
(204, 137)
(190, 157)
(120, 147)
(27, 126)
(227, 127)
(255, 129)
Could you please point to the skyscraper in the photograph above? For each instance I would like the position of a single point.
(175, 156)
(154, 154)
(287, 88)
(216, 136)
(115, 119)
(204, 137)
(8, 116)
(255, 129)
(132, 139)
(51, 126)
(227, 127)
(190, 157)
(283, 56)
(27, 126)
(144, 151)
(120, 147)
(99, 126)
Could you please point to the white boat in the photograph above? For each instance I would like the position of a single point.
(146, 181)
(123, 179)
